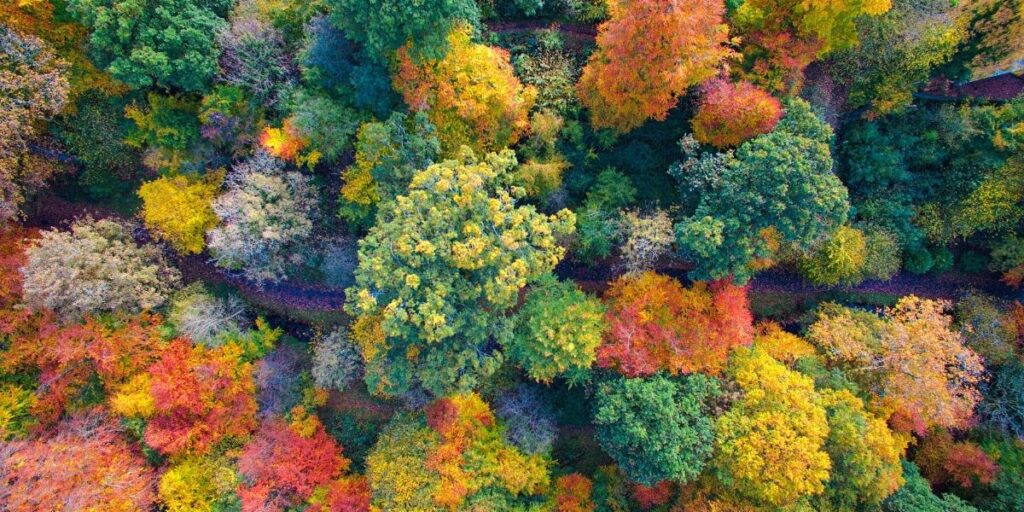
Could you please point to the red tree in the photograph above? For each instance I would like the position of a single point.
(200, 397)
(944, 461)
(85, 466)
(13, 242)
(730, 113)
(648, 53)
(283, 468)
(572, 494)
(656, 324)
(68, 356)
(649, 497)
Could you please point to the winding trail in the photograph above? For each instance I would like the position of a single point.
(51, 211)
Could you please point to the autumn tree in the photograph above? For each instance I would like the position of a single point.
(471, 95)
(897, 53)
(865, 455)
(657, 428)
(529, 421)
(770, 445)
(780, 183)
(383, 26)
(337, 361)
(67, 38)
(783, 37)
(454, 457)
(573, 494)
(33, 89)
(647, 238)
(945, 462)
(655, 324)
(388, 154)
(203, 484)
(85, 465)
(264, 214)
(14, 243)
(558, 330)
(730, 113)
(180, 210)
(439, 268)
(648, 54)
(910, 359)
(283, 467)
(70, 358)
(96, 267)
(199, 398)
(148, 42)
(838, 260)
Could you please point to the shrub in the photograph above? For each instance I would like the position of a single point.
(336, 361)
(529, 422)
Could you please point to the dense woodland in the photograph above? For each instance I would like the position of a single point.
(511, 255)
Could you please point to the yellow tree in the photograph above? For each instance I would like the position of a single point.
(769, 447)
(471, 95)
(648, 53)
(180, 210)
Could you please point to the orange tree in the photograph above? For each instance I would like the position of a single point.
(456, 458)
(655, 324)
(648, 53)
(199, 396)
(909, 359)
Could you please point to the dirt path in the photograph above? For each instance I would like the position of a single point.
(52, 211)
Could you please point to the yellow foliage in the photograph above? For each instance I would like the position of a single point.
(180, 210)
(769, 446)
(15, 407)
(195, 485)
(471, 95)
(134, 398)
(870, 452)
(781, 345)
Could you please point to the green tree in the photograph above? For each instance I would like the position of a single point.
(657, 428)
(383, 26)
(169, 43)
(440, 268)
(897, 53)
(839, 260)
(916, 496)
(388, 154)
(781, 181)
(558, 329)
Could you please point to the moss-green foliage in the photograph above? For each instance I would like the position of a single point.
(937, 175)
(95, 136)
(382, 26)
(598, 218)
(558, 330)
(169, 43)
(917, 496)
(782, 180)
(441, 266)
(657, 428)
